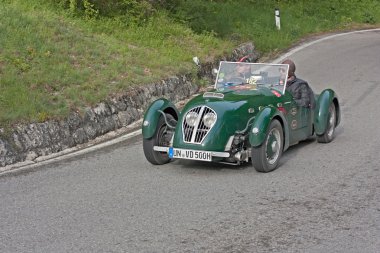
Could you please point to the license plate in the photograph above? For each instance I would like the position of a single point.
(190, 154)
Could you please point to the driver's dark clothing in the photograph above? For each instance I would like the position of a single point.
(302, 93)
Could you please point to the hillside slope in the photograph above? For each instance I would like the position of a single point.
(54, 60)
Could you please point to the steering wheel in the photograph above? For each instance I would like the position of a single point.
(237, 80)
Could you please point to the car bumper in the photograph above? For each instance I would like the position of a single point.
(190, 154)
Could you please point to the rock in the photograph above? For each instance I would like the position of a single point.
(102, 110)
(80, 136)
(245, 49)
(74, 121)
(30, 156)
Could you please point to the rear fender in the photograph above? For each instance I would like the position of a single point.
(152, 116)
(324, 100)
(261, 124)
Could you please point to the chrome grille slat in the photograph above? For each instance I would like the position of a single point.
(200, 116)
(199, 132)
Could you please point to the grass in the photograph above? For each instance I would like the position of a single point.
(254, 19)
(52, 62)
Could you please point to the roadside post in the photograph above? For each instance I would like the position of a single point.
(277, 18)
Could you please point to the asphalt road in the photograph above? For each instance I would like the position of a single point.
(322, 198)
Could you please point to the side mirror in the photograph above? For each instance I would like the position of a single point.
(214, 71)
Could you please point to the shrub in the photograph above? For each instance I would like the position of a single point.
(136, 11)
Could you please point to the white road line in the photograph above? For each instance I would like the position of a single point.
(303, 46)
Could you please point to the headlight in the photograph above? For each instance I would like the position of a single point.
(191, 118)
(255, 130)
(209, 119)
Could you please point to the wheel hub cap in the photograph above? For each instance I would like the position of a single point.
(273, 146)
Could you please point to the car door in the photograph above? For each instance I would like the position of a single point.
(299, 121)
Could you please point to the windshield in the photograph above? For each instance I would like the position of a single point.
(236, 75)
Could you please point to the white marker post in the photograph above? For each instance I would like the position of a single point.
(277, 18)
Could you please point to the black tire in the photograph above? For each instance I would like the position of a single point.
(156, 157)
(265, 157)
(328, 136)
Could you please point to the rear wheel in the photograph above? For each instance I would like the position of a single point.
(265, 158)
(161, 138)
(328, 136)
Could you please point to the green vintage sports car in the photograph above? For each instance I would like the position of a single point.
(249, 116)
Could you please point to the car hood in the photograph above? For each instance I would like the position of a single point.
(233, 109)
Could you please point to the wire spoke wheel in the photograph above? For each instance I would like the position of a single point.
(273, 146)
(328, 136)
(265, 157)
(331, 121)
(160, 138)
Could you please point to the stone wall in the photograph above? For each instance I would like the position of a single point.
(27, 142)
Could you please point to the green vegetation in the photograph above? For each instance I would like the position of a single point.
(254, 19)
(53, 62)
(63, 55)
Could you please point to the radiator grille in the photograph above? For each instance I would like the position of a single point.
(197, 133)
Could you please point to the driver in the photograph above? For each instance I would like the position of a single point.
(242, 73)
(243, 70)
(303, 95)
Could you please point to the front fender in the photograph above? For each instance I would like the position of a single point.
(324, 100)
(262, 122)
(152, 116)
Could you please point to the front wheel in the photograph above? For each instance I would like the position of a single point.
(328, 136)
(265, 158)
(160, 138)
